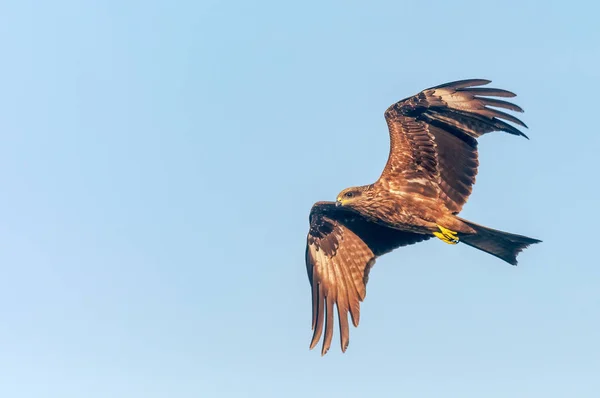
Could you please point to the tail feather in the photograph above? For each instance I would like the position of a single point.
(503, 245)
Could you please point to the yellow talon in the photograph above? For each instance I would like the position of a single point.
(446, 235)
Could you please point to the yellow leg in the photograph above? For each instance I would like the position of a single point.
(447, 235)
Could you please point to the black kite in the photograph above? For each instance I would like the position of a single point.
(427, 179)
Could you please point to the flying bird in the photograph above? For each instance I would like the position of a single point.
(426, 181)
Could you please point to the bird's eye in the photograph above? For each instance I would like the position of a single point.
(349, 194)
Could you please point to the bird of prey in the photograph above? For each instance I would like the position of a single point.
(427, 179)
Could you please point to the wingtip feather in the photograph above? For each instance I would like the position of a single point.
(492, 92)
(458, 84)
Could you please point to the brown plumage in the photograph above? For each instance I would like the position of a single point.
(427, 179)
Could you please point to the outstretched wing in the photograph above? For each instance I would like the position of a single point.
(433, 139)
(341, 248)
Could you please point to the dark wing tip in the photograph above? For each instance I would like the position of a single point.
(463, 83)
(503, 115)
(315, 339)
(493, 92)
(501, 125)
(345, 346)
(495, 102)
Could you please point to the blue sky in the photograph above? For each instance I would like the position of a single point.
(159, 160)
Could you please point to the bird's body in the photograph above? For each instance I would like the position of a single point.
(402, 211)
(427, 179)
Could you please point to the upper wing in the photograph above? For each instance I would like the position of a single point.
(341, 248)
(433, 139)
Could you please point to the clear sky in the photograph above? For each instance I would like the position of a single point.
(158, 161)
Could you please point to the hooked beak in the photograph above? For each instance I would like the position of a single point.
(338, 203)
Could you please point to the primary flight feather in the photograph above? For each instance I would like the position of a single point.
(425, 183)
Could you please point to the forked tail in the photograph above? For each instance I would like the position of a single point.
(497, 243)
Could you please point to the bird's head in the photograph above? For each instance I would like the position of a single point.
(351, 195)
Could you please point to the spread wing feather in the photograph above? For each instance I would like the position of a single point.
(342, 246)
(433, 139)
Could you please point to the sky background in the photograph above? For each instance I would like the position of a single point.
(158, 161)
